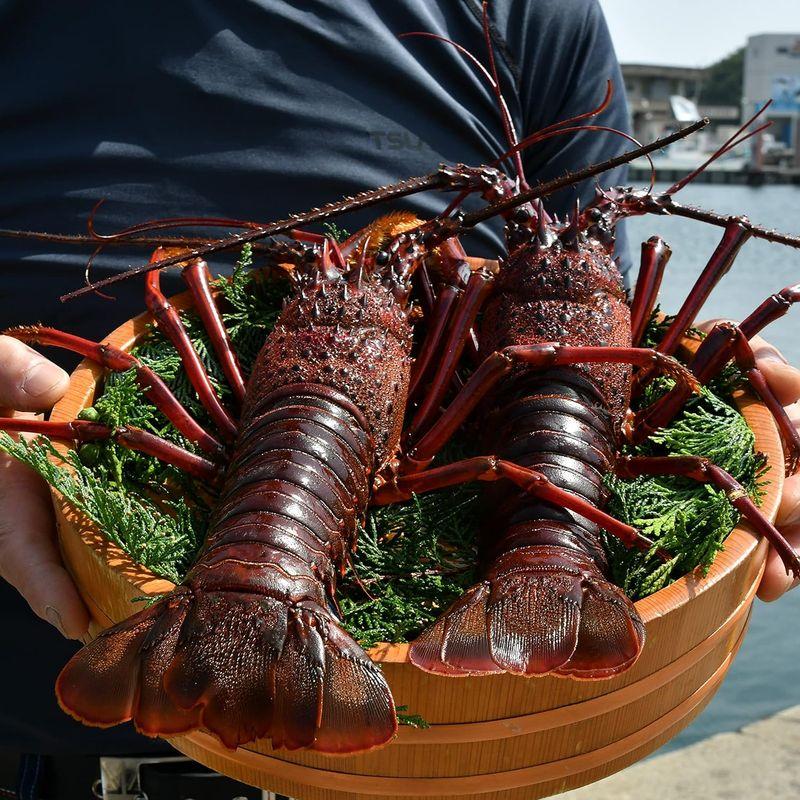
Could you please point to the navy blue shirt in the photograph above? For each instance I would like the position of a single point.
(250, 109)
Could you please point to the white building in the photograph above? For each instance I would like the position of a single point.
(772, 70)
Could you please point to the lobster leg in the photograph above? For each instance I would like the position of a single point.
(491, 468)
(441, 314)
(655, 255)
(478, 288)
(169, 321)
(736, 233)
(702, 470)
(427, 293)
(195, 275)
(115, 359)
(422, 451)
(446, 304)
(128, 436)
(725, 340)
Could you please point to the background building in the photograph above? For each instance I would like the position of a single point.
(649, 88)
(772, 70)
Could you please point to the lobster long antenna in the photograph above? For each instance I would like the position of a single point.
(85, 240)
(374, 196)
(733, 141)
(604, 104)
(508, 125)
(666, 204)
(548, 188)
(167, 223)
(535, 138)
(545, 133)
(505, 114)
(326, 212)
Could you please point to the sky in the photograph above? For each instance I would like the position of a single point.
(693, 32)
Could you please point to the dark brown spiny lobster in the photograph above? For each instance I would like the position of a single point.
(250, 644)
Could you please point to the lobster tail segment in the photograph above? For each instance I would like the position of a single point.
(540, 610)
(240, 665)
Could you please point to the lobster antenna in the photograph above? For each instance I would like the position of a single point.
(84, 240)
(548, 188)
(88, 269)
(456, 202)
(535, 138)
(328, 211)
(505, 114)
(167, 223)
(604, 104)
(383, 193)
(734, 141)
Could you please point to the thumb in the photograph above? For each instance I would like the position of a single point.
(28, 381)
(783, 379)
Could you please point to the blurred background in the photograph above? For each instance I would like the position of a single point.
(722, 59)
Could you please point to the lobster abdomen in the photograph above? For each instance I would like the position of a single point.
(556, 423)
(248, 646)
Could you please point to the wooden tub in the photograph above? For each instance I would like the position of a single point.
(490, 737)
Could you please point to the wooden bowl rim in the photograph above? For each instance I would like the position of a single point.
(739, 546)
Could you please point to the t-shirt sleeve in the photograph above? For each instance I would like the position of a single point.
(564, 57)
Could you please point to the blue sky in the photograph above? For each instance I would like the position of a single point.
(693, 32)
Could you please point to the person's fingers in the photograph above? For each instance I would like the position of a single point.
(29, 555)
(775, 581)
(28, 381)
(782, 377)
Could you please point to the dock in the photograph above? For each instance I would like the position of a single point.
(738, 172)
(758, 761)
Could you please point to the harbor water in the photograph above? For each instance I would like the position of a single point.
(763, 679)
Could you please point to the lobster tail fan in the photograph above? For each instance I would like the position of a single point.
(611, 634)
(239, 665)
(118, 676)
(224, 664)
(155, 713)
(533, 621)
(536, 614)
(99, 685)
(357, 707)
(457, 644)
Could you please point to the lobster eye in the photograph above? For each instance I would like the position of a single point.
(381, 258)
(310, 255)
(522, 215)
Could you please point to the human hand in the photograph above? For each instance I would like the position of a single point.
(784, 380)
(29, 556)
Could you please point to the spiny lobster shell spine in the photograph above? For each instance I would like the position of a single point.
(567, 293)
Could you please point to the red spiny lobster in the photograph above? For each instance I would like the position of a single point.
(557, 341)
(250, 644)
(554, 385)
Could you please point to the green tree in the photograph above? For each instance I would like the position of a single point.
(723, 85)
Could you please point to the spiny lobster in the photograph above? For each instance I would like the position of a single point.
(556, 346)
